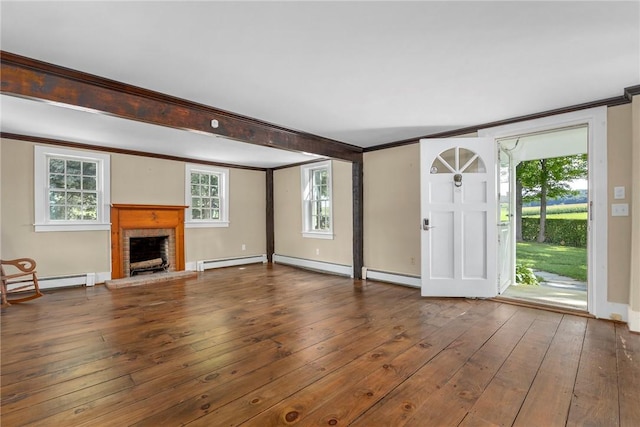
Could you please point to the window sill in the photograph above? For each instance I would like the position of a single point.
(72, 227)
(312, 235)
(205, 224)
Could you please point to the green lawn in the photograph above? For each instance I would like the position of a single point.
(571, 215)
(563, 260)
(574, 211)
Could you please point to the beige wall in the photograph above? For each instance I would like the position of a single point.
(634, 283)
(135, 180)
(56, 253)
(247, 213)
(619, 228)
(146, 181)
(288, 217)
(1, 200)
(392, 210)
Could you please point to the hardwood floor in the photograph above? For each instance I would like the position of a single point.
(273, 345)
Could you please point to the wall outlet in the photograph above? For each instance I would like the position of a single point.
(618, 193)
(317, 251)
(244, 247)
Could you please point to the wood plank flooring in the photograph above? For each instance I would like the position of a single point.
(269, 345)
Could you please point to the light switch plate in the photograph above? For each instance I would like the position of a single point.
(619, 209)
(618, 192)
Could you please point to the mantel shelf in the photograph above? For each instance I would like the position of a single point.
(146, 207)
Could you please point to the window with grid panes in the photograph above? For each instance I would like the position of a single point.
(317, 200)
(205, 195)
(71, 189)
(206, 192)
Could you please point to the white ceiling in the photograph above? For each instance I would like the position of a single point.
(364, 73)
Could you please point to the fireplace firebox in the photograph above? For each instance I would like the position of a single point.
(148, 255)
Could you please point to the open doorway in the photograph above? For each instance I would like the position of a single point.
(543, 223)
(596, 121)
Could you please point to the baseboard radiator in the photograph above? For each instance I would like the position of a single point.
(398, 279)
(225, 262)
(325, 267)
(86, 279)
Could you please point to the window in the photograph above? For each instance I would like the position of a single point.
(458, 160)
(71, 190)
(206, 194)
(317, 216)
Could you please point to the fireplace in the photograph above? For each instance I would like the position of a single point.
(149, 254)
(142, 234)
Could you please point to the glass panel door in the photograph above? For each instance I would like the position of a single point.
(506, 265)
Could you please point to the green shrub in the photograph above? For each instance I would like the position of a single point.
(569, 232)
(525, 276)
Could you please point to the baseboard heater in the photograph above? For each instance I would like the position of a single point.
(225, 262)
(399, 279)
(86, 279)
(327, 267)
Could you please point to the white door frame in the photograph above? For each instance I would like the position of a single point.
(596, 119)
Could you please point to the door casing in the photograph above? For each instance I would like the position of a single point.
(596, 120)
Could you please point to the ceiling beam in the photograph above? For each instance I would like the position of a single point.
(37, 80)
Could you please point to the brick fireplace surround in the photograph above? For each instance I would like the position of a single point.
(145, 221)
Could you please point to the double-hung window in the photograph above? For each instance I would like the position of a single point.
(71, 190)
(317, 213)
(207, 195)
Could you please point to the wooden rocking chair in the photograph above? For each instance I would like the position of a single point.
(23, 282)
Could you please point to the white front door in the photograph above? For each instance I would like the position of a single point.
(459, 222)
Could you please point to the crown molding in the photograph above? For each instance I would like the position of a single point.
(608, 102)
(62, 143)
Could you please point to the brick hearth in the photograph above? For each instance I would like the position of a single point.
(146, 279)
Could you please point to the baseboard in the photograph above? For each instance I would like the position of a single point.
(634, 320)
(328, 267)
(399, 279)
(224, 262)
(87, 279)
(612, 311)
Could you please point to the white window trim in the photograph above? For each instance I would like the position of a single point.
(41, 185)
(305, 173)
(224, 197)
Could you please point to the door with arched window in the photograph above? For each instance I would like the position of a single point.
(459, 223)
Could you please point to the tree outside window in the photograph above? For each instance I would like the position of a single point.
(207, 196)
(73, 190)
(317, 200)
